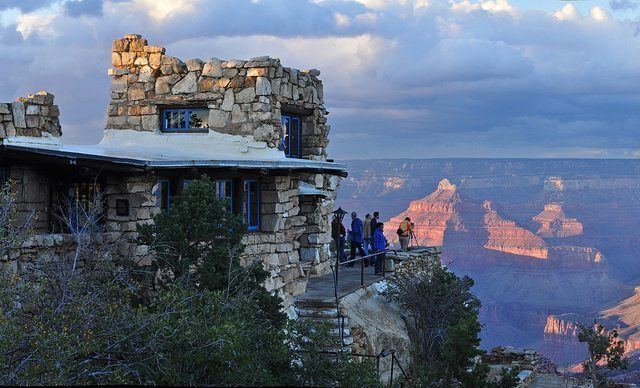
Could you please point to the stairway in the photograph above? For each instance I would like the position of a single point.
(317, 311)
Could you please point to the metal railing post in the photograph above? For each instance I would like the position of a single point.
(362, 272)
(393, 357)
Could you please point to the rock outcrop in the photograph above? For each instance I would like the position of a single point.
(554, 223)
(506, 236)
(431, 216)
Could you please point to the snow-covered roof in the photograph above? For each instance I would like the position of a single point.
(311, 190)
(172, 150)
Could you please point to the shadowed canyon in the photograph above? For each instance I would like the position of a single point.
(549, 242)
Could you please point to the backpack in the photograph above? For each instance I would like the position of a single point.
(399, 232)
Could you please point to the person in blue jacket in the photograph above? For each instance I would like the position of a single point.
(356, 238)
(379, 246)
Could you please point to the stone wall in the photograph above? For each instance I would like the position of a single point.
(315, 241)
(41, 249)
(243, 97)
(31, 190)
(294, 233)
(31, 116)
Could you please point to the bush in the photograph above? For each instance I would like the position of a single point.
(443, 321)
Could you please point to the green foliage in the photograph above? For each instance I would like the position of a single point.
(606, 352)
(61, 328)
(313, 367)
(197, 242)
(12, 233)
(443, 317)
(74, 325)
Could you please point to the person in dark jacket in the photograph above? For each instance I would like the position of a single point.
(356, 237)
(338, 234)
(374, 222)
(379, 246)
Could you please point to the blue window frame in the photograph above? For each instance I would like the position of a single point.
(292, 136)
(224, 190)
(251, 209)
(185, 120)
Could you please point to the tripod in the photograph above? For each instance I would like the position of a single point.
(413, 239)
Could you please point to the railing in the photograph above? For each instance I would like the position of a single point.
(378, 357)
(335, 268)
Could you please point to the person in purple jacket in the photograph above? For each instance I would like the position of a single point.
(379, 246)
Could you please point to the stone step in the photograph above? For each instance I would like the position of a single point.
(316, 312)
(314, 303)
(330, 321)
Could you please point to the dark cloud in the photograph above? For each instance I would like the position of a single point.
(83, 7)
(401, 79)
(624, 5)
(25, 5)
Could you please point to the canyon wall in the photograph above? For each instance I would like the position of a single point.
(554, 237)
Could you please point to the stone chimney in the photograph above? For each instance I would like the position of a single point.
(31, 116)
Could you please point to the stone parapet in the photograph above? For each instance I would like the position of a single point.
(35, 115)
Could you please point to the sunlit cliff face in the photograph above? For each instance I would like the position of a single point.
(554, 223)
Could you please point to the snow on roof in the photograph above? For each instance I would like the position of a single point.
(311, 190)
(172, 150)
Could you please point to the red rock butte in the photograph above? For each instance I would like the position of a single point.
(554, 223)
(506, 236)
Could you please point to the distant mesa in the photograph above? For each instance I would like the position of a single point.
(554, 223)
(554, 183)
(506, 236)
(394, 182)
(446, 185)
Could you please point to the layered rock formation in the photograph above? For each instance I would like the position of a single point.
(506, 236)
(554, 223)
(431, 216)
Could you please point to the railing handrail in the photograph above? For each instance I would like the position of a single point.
(343, 263)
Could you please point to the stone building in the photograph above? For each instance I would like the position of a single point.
(258, 129)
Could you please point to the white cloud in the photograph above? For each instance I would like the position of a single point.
(568, 12)
(493, 6)
(341, 19)
(35, 23)
(600, 14)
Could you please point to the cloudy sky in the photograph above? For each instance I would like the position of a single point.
(403, 78)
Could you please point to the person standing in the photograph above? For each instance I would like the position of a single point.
(379, 247)
(374, 223)
(366, 234)
(405, 229)
(338, 234)
(356, 238)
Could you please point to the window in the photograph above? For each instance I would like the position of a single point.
(224, 190)
(251, 209)
(292, 136)
(165, 194)
(122, 207)
(185, 120)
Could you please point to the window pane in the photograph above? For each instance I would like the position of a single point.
(251, 208)
(254, 214)
(182, 119)
(223, 191)
(199, 118)
(286, 123)
(292, 135)
(294, 141)
(168, 122)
